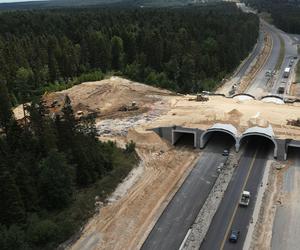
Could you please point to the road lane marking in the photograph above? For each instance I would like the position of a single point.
(185, 239)
(237, 205)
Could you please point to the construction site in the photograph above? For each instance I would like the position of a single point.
(129, 111)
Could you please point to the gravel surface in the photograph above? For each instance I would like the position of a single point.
(205, 216)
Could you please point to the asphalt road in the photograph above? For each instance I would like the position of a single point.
(261, 82)
(229, 216)
(172, 226)
(242, 70)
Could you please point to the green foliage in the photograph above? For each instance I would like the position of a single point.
(284, 14)
(12, 238)
(5, 107)
(51, 169)
(174, 48)
(41, 232)
(130, 147)
(55, 181)
(12, 208)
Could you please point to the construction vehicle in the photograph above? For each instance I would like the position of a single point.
(245, 198)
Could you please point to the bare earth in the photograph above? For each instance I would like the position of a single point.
(137, 203)
(125, 223)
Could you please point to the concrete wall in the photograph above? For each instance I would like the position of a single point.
(172, 134)
(281, 149)
(178, 131)
(290, 143)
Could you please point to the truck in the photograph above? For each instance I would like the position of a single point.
(286, 72)
(245, 199)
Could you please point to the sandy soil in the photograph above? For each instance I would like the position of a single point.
(242, 114)
(107, 96)
(136, 204)
(125, 222)
(295, 90)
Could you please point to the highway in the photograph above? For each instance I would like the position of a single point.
(261, 84)
(246, 64)
(247, 176)
(182, 210)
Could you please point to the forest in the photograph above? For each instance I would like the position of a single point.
(285, 14)
(51, 170)
(184, 49)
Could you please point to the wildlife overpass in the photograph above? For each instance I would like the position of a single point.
(198, 138)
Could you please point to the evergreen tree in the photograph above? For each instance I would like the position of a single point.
(5, 107)
(55, 181)
(117, 53)
(11, 209)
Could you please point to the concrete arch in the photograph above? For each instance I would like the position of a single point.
(273, 98)
(219, 127)
(245, 95)
(259, 131)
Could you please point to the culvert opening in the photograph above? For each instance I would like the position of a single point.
(184, 138)
(293, 152)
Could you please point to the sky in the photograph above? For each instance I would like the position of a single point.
(14, 1)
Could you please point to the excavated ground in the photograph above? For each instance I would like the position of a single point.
(137, 203)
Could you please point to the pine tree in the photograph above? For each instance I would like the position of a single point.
(5, 107)
(12, 208)
(117, 53)
(55, 181)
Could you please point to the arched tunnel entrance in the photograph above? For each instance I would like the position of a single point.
(263, 144)
(217, 140)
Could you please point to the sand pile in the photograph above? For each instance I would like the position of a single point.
(147, 140)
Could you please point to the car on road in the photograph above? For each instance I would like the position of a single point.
(268, 73)
(234, 236)
(280, 90)
(225, 152)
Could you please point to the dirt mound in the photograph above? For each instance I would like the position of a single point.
(235, 112)
(106, 97)
(258, 121)
(147, 140)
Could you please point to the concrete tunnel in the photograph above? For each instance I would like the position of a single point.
(179, 132)
(291, 144)
(219, 127)
(259, 131)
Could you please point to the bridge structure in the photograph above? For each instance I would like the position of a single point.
(201, 137)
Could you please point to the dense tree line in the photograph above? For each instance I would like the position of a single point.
(285, 14)
(44, 163)
(184, 49)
